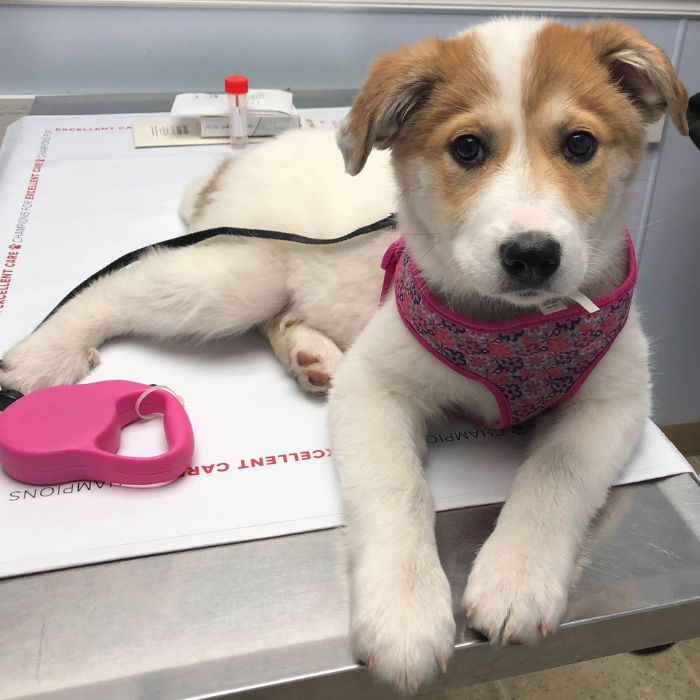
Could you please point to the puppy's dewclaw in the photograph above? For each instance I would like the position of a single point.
(93, 358)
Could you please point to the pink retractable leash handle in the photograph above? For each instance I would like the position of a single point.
(71, 433)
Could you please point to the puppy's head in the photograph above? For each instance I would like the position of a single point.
(513, 145)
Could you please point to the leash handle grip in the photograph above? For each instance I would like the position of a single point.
(157, 469)
(71, 433)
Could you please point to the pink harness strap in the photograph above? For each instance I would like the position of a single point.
(530, 364)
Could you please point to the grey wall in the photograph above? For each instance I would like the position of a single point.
(54, 50)
(111, 49)
(669, 273)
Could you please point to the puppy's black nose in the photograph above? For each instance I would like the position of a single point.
(531, 257)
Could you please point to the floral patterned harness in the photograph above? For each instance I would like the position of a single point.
(530, 364)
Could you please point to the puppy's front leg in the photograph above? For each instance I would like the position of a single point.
(519, 583)
(402, 620)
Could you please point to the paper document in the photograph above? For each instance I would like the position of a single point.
(260, 102)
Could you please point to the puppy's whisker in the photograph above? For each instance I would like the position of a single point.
(663, 219)
(409, 190)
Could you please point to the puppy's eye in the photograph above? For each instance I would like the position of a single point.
(579, 147)
(467, 150)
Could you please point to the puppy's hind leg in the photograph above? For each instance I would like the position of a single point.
(309, 355)
(216, 289)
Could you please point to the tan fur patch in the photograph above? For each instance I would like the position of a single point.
(204, 197)
(410, 89)
(567, 89)
(462, 102)
(642, 70)
(397, 82)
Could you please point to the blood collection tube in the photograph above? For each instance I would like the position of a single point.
(236, 87)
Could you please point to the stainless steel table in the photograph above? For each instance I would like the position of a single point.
(268, 619)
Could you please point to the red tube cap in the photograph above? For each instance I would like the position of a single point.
(236, 84)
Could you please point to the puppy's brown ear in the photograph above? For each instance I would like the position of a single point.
(399, 82)
(642, 71)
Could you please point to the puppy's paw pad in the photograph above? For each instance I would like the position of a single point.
(314, 358)
(318, 378)
(304, 359)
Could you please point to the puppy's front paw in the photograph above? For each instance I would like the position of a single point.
(402, 625)
(516, 592)
(42, 360)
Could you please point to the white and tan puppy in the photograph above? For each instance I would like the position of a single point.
(516, 130)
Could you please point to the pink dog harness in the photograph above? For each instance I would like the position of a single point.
(529, 365)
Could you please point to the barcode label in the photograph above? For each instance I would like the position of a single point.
(174, 131)
(178, 131)
(310, 123)
(166, 130)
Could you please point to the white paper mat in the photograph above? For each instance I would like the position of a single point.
(74, 195)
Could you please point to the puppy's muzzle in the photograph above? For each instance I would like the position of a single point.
(531, 257)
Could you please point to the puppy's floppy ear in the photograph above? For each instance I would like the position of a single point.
(399, 82)
(642, 71)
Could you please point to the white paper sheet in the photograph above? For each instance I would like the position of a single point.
(74, 195)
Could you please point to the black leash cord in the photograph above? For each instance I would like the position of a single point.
(199, 236)
(8, 396)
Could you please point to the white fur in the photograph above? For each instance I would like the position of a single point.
(318, 301)
(296, 183)
(517, 33)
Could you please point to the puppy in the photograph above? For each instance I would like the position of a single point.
(512, 147)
